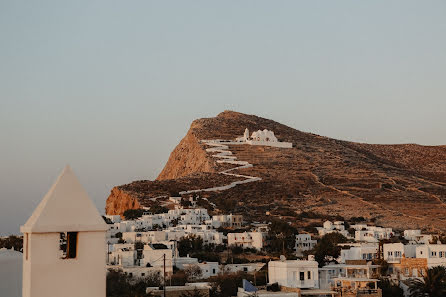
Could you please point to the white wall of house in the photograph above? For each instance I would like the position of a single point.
(179, 262)
(362, 252)
(392, 252)
(434, 253)
(373, 234)
(304, 242)
(246, 239)
(329, 227)
(246, 267)
(294, 273)
(208, 269)
(155, 258)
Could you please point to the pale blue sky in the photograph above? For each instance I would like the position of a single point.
(110, 87)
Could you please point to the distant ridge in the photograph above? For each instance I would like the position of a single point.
(400, 186)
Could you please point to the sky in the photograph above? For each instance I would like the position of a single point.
(110, 87)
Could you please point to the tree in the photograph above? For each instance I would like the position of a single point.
(327, 247)
(194, 293)
(226, 285)
(133, 214)
(188, 244)
(121, 285)
(282, 237)
(193, 272)
(12, 242)
(185, 203)
(157, 208)
(389, 289)
(433, 283)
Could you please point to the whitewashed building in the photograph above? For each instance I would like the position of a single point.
(353, 272)
(434, 253)
(262, 137)
(365, 251)
(329, 227)
(371, 233)
(304, 243)
(246, 240)
(415, 236)
(228, 221)
(64, 242)
(154, 255)
(244, 267)
(208, 269)
(294, 273)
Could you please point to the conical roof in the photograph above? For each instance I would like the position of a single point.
(65, 208)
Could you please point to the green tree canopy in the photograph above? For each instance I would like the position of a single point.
(133, 214)
(327, 247)
(433, 284)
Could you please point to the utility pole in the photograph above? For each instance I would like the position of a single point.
(266, 274)
(164, 275)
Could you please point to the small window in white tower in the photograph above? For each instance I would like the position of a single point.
(68, 245)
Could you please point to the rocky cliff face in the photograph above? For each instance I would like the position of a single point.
(188, 157)
(119, 201)
(402, 186)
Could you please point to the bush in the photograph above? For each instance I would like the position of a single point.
(226, 285)
(157, 208)
(133, 214)
(12, 241)
(121, 285)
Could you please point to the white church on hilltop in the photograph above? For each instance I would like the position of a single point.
(64, 239)
(262, 137)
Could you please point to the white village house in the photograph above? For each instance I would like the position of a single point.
(301, 274)
(246, 240)
(329, 227)
(304, 243)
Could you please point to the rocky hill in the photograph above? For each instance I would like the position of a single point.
(402, 186)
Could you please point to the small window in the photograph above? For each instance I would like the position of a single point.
(302, 276)
(68, 245)
(308, 274)
(143, 274)
(245, 269)
(26, 246)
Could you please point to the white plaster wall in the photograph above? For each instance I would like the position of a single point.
(46, 275)
(392, 247)
(288, 273)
